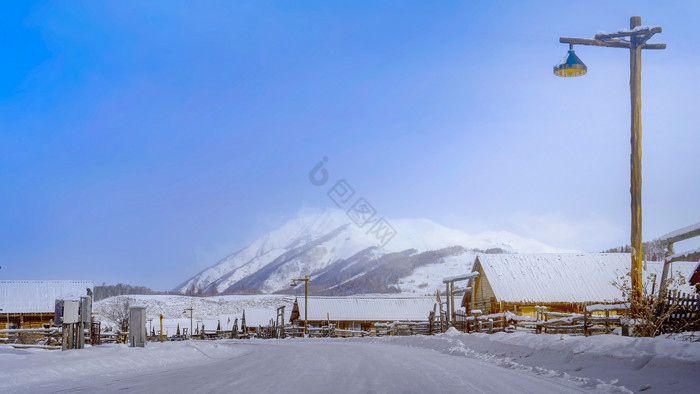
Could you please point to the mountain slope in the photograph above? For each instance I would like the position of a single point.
(343, 258)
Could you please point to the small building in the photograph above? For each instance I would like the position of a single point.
(31, 303)
(360, 313)
(561, 282)
(695, 278)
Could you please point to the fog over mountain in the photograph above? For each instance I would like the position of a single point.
(343, 258)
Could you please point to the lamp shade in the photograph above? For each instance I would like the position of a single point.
(570, 66)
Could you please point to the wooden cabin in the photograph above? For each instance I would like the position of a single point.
(361, 313)
(31, 303)
(561, 282)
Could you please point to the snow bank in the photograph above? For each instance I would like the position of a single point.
(601, 362)
(25, 367)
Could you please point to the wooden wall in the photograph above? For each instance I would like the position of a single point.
(528, 309)
(484, 297)
(25, 320)
(28, 320)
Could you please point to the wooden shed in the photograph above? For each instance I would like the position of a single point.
(31, 303)
(561, 282)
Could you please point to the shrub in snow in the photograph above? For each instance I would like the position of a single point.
(652, 314)
(117, 312)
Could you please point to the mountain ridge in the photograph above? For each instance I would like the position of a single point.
(343, 258)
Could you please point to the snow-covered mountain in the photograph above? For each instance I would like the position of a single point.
(343, 258)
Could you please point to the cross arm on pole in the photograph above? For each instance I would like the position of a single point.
(611, 44)
(654, 46)
(588, 41)
(629, 33)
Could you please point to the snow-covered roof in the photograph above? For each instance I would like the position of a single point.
(550, 278)
(38, 296)
(685, 268)
(367, 308)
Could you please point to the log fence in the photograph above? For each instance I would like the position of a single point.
(682, 310)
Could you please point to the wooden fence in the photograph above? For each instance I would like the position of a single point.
(683, 312)
(404, 328)
(46, 338)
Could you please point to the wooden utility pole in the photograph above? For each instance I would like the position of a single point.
(452, 302)
(190, 309)
(636, 157)
(638, 37)
(306, 281)
(447, 302)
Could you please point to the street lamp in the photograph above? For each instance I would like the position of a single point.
(185, 313)
(306, 281)
(634, 39)
(571, 65)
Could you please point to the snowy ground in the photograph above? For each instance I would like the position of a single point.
(451, 362)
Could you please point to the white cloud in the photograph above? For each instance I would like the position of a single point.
(591, 233)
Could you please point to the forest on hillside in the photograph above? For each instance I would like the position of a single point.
(105, 291)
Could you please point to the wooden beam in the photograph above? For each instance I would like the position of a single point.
(599, 43)
(687, 256)
(29, 330)
(23, 346)
(460, 277)
(681, 235)
(461, 290)
(587, 41)
(654, 46)
(649, 32)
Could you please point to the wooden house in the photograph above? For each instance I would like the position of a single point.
(561, 282)
(31, 303)
(695, 277)
(360, 313)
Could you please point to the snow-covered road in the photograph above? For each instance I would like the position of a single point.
(292, 366)
(446, 363)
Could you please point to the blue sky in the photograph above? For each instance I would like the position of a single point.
(140, 143)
